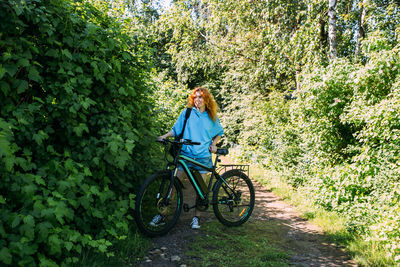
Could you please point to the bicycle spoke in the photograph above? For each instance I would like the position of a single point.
(154, 213)
(233, 205)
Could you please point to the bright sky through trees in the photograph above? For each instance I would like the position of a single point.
(165, 4)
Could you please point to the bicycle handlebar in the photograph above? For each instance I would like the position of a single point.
(183, 142)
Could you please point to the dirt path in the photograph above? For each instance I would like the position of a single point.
(304, 240)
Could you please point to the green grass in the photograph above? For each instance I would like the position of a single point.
(333, 224)
(126, 253)
(252, 244)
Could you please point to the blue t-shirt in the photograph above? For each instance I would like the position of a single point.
(199, 128)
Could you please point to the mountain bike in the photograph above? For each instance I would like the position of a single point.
(161, 194)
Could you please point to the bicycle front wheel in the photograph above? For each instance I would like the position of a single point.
(155, 215)
(233, 198)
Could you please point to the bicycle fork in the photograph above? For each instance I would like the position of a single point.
(165, 198)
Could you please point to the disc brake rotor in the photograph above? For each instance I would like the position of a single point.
(162, 208)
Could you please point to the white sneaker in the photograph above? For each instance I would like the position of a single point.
(157, 220)
(195, 223)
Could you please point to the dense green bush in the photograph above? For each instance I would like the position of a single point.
(338, 138)
(75, 130)
(348, 116)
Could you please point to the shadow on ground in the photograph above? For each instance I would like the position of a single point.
(272, 221)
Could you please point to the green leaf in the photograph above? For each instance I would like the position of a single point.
(2, 71)
(69, 165)
(29, 220)
(98, 214)
(24, 62)
(5, 149)
(132, 201)
(9, 162)
(4, 87)
(66, 53)
(16, 221)
(39, 180)
(122, 159)
(2, 200)
(5, 256)
(87, 171)
(35, 108)
(122, 91)
(40, 136)
(29, 189)
(44, 229)
(28, 228)
(129, 145)
(54, 244)
(85, 202)
(34, 74)
(113, 146)
(94, 190)
(52, 53)
(96, 161)
(81, 128)
(87, 103)
(11, 69)
(45, 262)
(126, 56)
(78, 248)
(68, 245)
(22, 86)
(18, 9)
(118, 65)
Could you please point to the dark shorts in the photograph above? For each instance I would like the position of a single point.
(205, 161)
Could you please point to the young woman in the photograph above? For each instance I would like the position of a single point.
(202, 126)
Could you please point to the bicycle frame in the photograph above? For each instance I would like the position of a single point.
(179, 160)
(231, 193)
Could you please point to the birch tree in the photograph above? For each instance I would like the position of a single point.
(361, 28)
(332, 29)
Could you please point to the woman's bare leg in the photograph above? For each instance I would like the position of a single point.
(197, 213)
(181, 175)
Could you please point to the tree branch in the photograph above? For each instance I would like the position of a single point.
(224, 49)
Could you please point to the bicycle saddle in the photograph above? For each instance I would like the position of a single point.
(222, 151)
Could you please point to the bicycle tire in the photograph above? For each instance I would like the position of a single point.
(148, 205)
(233, 208)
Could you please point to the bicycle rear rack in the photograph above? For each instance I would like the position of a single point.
(226, 167)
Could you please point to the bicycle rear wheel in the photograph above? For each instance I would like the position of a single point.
(233, 198)
(150, 203)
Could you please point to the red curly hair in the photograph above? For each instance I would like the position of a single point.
(211, 105)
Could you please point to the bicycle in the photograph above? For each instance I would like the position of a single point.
(161, 194)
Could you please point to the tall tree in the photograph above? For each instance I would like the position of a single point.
(361, 27)
(332, 29)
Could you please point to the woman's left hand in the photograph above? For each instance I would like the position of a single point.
(213, 148)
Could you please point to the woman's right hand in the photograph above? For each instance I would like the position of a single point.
(165, 136)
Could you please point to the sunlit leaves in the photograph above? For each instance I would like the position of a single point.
(74, 109)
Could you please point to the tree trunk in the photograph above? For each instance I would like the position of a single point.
(323, 35)
(298, 80)
(361, 29)
(332, 29)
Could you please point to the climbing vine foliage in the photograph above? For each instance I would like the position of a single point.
(74, 129)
